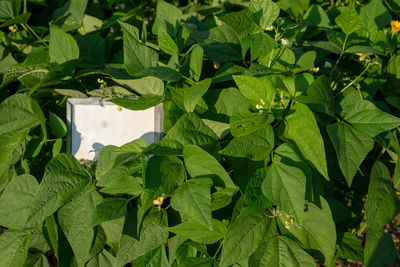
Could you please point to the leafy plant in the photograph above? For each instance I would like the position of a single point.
(281, 129)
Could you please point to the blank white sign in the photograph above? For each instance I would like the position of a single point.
(94, 124)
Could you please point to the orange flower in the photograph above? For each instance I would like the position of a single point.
(395, 25)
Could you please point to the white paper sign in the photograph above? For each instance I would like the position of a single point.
(94, 124)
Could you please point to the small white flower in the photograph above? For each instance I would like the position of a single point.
(285, 41)
(315, 69)
(327, 65)
(270, 28)
(122, 5)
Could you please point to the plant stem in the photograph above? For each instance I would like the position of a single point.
(143, 161)
(355, 80)
(189, 80)
(340, 56)
(270, 58)
(362, 228)
(28, 28)
(220, 246)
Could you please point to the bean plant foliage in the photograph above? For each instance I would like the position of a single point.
(281, 123)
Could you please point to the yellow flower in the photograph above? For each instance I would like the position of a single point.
(395, 25)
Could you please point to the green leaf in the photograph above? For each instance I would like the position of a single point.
(209, 166)
(36, 260)
(219, 128)
(231, 101)
(57, 125)
(287, 155)
(294, 8)
(243, 124)
(75, 221)
(193, 198)
(316, 16)
(225, 72)
(394, 101)
(16, 200)
(164, 73)
(19, 112)
(123, 185)
(62, 46)
(382, 202)
(261, 45)
(375, 15)
(350, 247)
(199, 262)
(254, 146)
(328, 46)
(168, 17)
(196, 62)
(302, 133)
(142, 103)
(257, 90)
(166, 43)
(92, 51)
(363, 49)
(152, 235)
(223, 44)
(285, 186)
(351, 148)
(193, 94)
(295, 85)
(109, 209)
(319, 95)
(137, 56)
(281, 251)
(348, 20)
(117, 162)
(316, 234)
(64, 179)
(14, 248)
(9, 144)
(380, 249)
(6, 10)
(163, 175)
(70, 16)
(156, 258)
(396, 175)
(305, 62)
(90, 24)
(188, 130)
(145, 86)
(164, 171)
(7, 62)
(222, 198)
(369, 119)
(265, 12)
(348, 102)
(50, 231)
(99, 240)
(241, 21)
(244, 236)
(57, 146)
(393, 66)
(197, 232)
(254, 200)
(103, 259)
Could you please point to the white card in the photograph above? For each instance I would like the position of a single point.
(93, 124)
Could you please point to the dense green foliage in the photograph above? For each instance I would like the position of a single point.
(281, 129)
